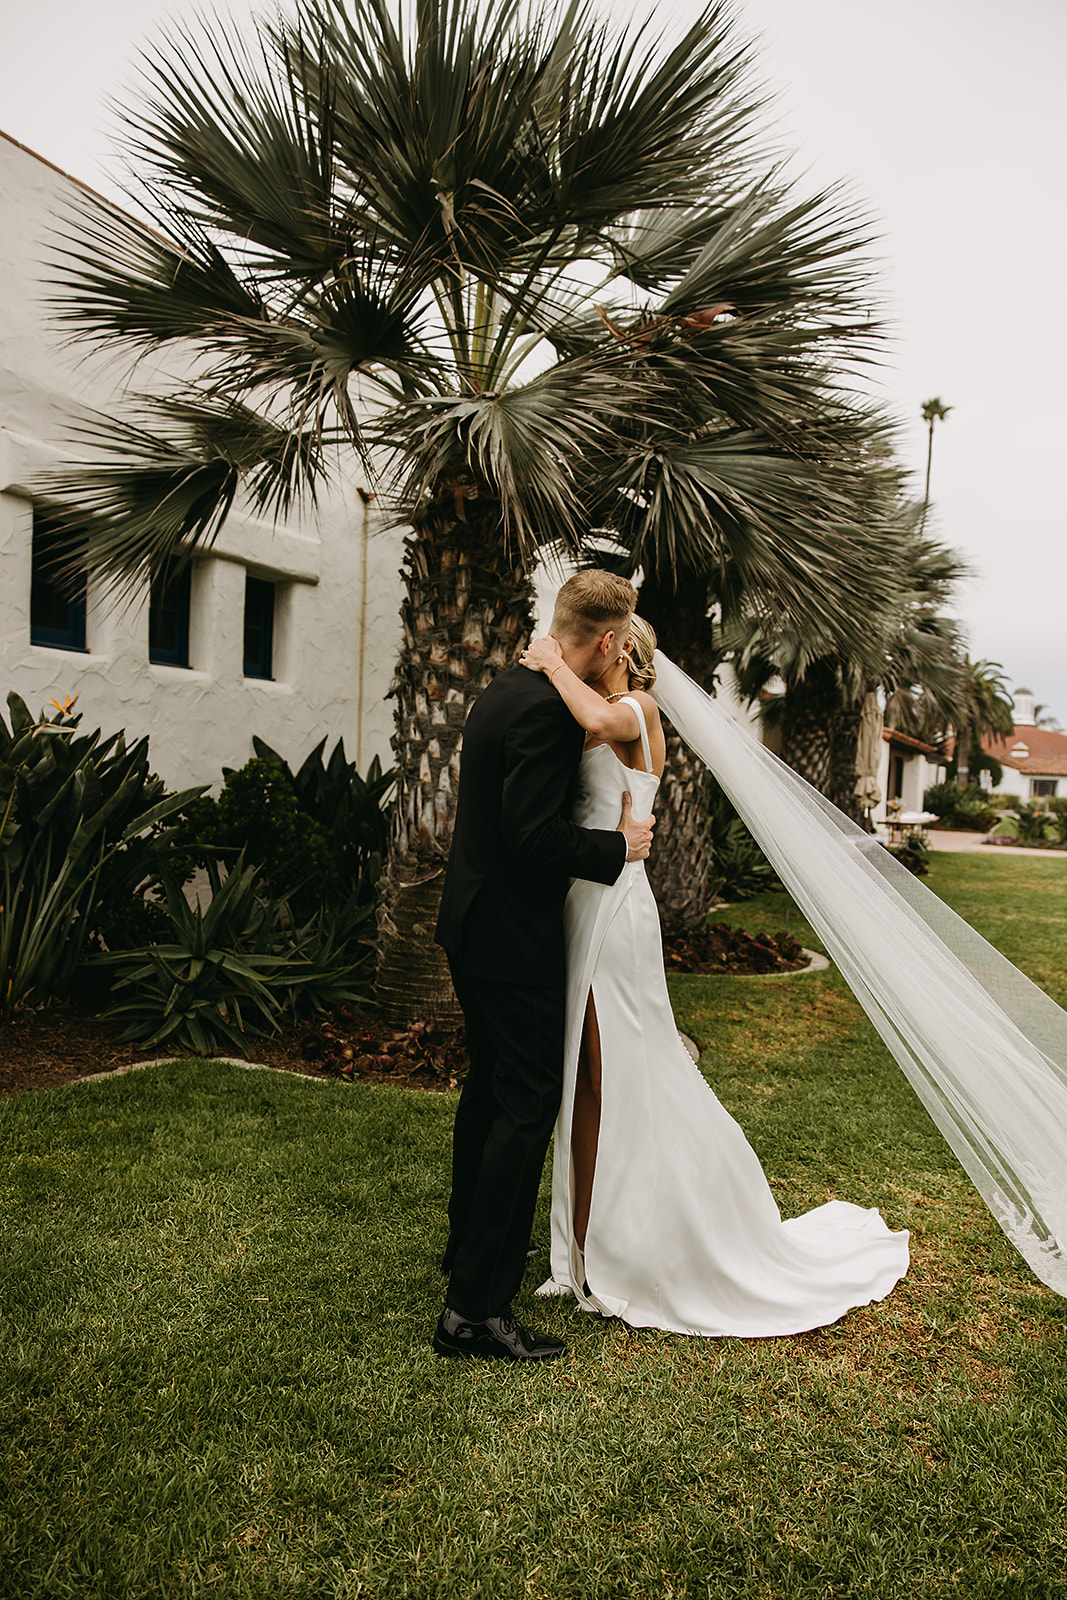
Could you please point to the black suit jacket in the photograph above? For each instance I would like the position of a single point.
(514, 849)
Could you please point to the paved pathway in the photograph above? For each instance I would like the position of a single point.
(975, 842)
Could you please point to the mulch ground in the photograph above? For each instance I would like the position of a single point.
(60, 1043)
(721, 948)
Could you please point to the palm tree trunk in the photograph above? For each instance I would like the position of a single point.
(467, 613)
(845, 739)
(929, 465)
(681, 857)
(808, 715)
(680, 863)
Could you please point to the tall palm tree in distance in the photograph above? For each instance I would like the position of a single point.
(538, 275)
(933, 411)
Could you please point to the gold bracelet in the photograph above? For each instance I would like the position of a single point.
(555, 669)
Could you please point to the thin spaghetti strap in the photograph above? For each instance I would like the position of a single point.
(646, 750)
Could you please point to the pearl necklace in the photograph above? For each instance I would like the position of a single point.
(617, 695)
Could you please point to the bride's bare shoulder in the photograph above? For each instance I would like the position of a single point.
(647, 704)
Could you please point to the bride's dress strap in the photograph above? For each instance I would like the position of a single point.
(646, 750)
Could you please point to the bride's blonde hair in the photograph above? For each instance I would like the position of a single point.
(643, 640)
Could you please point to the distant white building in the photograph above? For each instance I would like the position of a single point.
(288, 631)
(1034, 759)
(908, 768)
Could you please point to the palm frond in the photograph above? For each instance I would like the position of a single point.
(242, 145)
(762, 649)
(792, 534)
(533, 446)
(629, 126)
(432, 123)
(159, 484)
(761, 373)
(909, 646)
(656, 248)
(119, 280)
(806, 259)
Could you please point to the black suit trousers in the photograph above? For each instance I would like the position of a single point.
(504, 1121)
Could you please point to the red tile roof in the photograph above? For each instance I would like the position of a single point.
(891, 736)
(1046, 750)
(1050, 767)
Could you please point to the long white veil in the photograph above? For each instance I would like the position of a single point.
(984, 1048)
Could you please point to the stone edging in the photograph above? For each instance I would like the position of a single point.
(170, 1061)
(817, 963)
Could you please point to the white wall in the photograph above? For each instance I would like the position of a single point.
(336, 630)
(920, 774)
(1014, 782)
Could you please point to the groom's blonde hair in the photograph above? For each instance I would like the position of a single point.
(590, 603)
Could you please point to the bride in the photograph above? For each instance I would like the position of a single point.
(661, 1214)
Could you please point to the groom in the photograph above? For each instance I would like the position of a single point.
(514, 852)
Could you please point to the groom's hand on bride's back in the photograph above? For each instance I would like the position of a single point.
(638, 835)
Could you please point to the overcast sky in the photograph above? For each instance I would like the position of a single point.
(947, 120)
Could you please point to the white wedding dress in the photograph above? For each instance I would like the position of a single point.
(684, 1233)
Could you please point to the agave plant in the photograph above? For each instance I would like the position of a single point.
(741, 870)
(233, 971)
(1035, 824)
(78, 818)
(534, 268)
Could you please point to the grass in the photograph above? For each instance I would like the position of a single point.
(219, 1288)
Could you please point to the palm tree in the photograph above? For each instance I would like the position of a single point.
(933, 411)
(984, 708)
(911, 652)
(534, 272)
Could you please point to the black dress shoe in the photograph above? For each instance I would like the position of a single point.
(500, 1338)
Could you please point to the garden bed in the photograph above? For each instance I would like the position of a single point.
(41, 1048)
(60, 1043)
(722, 949)
(1016, 843)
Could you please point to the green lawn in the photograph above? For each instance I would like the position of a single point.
(218, 1290)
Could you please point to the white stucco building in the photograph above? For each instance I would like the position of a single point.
(288, 631)
(908, 768)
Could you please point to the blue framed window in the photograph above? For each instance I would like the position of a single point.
(57, 587)
(259, 628)
(168, 620)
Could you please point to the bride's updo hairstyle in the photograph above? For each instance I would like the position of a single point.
(590, 603)
(643, 640)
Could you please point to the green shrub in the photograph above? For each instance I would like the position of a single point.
(317, 837)
(258, 816)
(961, 805)
(80, 840)
(739, 867)
(352, 810)
(289, 931)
